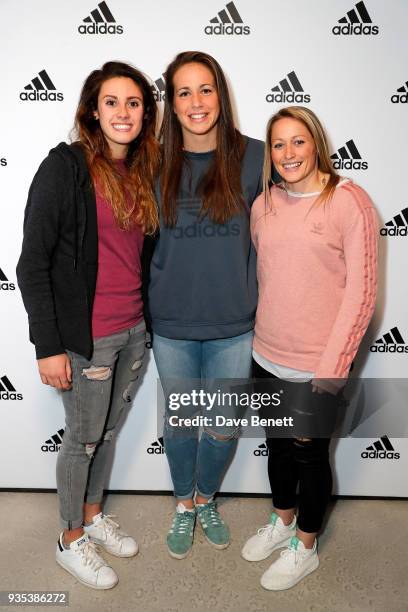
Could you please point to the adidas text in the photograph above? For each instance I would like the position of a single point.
(348, 164)
(394, 231)
(155, 450)
(288, 97)
(356, 29)
(50, 448)
(7, 287)
(239, 30)
(103, 28)
(380, 455)
(45, 96)
(209, 231)
(399, 98)
(9, 395)
(389, 348)
(261, 452)
(3, 161)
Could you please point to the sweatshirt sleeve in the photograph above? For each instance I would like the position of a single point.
(360, 244)
(41, 234)
(257, 211)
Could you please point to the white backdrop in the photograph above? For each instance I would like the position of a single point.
(347, 61)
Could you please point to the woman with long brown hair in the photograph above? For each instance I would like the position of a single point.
(316, 239)
(203, 287)
(89, 206)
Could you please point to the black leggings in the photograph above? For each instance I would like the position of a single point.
(292, 462)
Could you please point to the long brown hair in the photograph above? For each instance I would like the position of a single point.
(220, 188)
(313, 125)
(131, 195)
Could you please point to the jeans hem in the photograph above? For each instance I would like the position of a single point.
(206, 495)
(182, 497)
(309, 530)
(71, 524)
(94, 500)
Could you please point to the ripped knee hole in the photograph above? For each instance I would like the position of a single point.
(137, 364)
(90, 449)
(108, 437)
(91, 446)
(302, 441)
(97, 372)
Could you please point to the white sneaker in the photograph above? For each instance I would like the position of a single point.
(106, 533)
(269, 538)
(294, 563)
(82, 560)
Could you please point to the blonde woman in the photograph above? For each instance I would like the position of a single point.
(316, 239)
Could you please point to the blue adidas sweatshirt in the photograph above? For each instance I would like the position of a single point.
(203, 274)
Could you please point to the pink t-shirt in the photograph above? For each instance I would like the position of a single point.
(118, 296)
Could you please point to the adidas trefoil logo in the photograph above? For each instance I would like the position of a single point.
(100, 22)
(4, 283)
(317, 228)
(52, 445)
(7, 390)
(381, 449)
(261, 451)
(156, 448)
(348, 158)
(391, 342)
(158, 89)
(228, 21)
(288, 90)
(357, 21)
(402, 95)
(398, 226)
(41, 88)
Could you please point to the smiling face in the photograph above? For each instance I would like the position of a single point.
(197, 106)
(294, 154)
(120, 113)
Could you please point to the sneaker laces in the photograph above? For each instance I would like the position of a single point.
(210, 514)
(110, 527)
(293, 551)
(90, 556)
(182, 522)
(267, 531)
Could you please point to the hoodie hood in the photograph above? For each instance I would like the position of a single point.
(75, 156)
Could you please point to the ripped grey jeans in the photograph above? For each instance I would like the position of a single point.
(101, 389)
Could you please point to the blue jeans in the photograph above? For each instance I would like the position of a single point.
(199, 465)
(101, 389)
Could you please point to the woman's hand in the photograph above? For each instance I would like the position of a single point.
(56, 371)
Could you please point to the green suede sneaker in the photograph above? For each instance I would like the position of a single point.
(215, 530)
(180, 536)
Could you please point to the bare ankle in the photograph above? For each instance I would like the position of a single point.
(91, 510)
(201, 500)
(306, 538)
(70, 535)
(286, 516)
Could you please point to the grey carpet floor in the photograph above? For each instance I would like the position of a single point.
(363, 559)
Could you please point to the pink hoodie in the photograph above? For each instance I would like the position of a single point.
(317, 276)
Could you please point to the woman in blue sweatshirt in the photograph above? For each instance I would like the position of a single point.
(203, 283)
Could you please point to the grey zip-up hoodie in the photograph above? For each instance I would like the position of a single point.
(203, 274)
